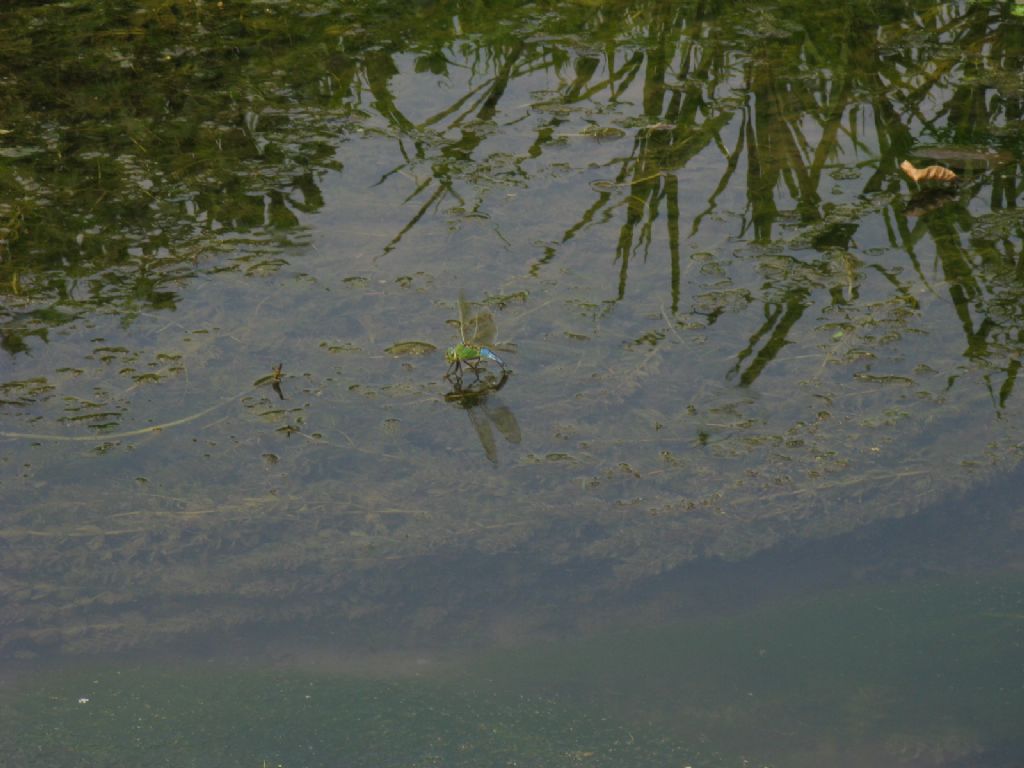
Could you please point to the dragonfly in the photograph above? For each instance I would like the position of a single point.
(476, 335)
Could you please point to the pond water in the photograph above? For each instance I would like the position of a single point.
(748, 493)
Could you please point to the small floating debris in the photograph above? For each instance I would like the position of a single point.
(275, 380)
(933, 173)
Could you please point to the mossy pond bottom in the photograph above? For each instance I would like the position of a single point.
(918, 671)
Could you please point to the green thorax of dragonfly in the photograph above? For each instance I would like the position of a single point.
(462, 353)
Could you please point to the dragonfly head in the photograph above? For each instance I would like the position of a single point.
(451, 355)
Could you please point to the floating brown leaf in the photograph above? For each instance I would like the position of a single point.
(931, 173)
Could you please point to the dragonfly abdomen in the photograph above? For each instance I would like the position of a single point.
(488, 355)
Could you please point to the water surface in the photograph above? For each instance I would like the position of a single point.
(747, 353)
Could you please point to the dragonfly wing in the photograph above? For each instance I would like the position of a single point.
(480, 329)
(505, 421)
(484, 433)
(464, 318)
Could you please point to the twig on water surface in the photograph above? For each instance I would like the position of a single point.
(130, 433)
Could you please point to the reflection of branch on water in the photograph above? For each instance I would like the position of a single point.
(730, 169)
(780, 319)
(444, 186)
(482, 109)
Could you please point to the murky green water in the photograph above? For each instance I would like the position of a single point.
(762, 384)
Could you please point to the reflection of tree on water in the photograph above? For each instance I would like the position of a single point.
(139, 154)
(778, 95)
(484, 408)
(788, 110)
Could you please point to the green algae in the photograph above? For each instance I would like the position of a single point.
(243, 716)
(923, 680)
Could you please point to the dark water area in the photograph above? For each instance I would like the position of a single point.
(582, 383)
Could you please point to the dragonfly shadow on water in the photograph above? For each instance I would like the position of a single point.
(484, 408)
